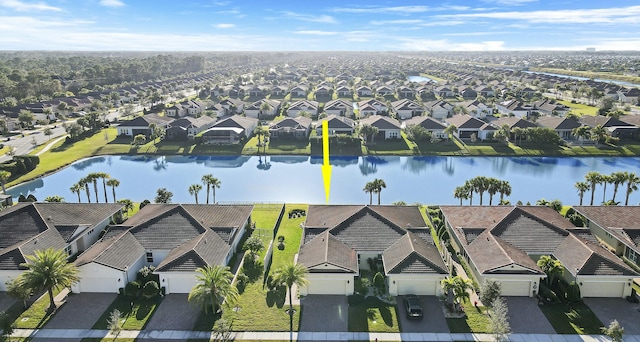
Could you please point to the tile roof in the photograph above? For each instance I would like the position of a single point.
(355, 232)
(19, 223)
(381, 122)
(412, 254)
(207, 249)
(465, 121)
(427, 122)
(556, 122)
(529, 233)
(325, 249)
(492, 255)
(117, 252)
(77, 213)
(585, 258)
(612, 216)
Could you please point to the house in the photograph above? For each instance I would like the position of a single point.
(550, 107)
(439, 109)
(256, 91)
(142, 124)
(468, 93)
(484, 91)
(505, 242)
(27, 227)
(339, 240)
(615, 127)
(526, 92)
(371, 107)
(324, 91)
(384, 90)
(512, 122)
(563, 126)
(307, 106)
(337, 125)
(231, 130)
(232, 106)
(364, 91)
(339, 107)
(344, 91)
(175, 238)
(290, 128)
(477, 109)
(278, 91)
(405, 109)
(435, 127)
(443, 91)
(631, 95)
(255, 110)
(514, 108)
(468, 127)
(300, 90)
(190, 107)
(405, 92)
(188, 127)
(388, 128)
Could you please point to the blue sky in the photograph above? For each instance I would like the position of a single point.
(309, 25)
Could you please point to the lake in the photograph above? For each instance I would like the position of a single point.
(428, 179)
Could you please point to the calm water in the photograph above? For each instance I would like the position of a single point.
(298, 179)
(584, 79)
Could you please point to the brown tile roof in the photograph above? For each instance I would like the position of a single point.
(612, 216)
(327, 249)
(412, 254)
(529, 233)
(207, 249)
(581, 257)
(77, 213)
(117, 252)
(493, 255)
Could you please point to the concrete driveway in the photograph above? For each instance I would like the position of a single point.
(525, 316)
(324, 313)
(81, 311)
(174, 313)
(608, 309)
(432, 322)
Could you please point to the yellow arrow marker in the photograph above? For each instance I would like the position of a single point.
(326, 167)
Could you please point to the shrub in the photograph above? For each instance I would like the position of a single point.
(145, 274)
(151, 289)
(378, 282)
(361, 286)
(355, 299)
(144, 203)
(132, 289)
(573, 292)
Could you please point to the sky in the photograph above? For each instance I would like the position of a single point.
(312, 25)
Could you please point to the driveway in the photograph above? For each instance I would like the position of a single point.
(432, 322)
(81, 311)
(525, 316)
(6, 301)
(174, 313)
(608, 309)
(324, 313)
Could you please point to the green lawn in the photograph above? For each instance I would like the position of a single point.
(292, 232)
(476, 320)
(289, 146)
(373, 315)
(136, 317)
(572, 319)
(265, 216)
(36, 316)
(579, 108)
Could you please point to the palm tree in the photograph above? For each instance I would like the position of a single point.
(215, 183)
(450, 130)
(582, 188)
(552, 267)
(494, 187)
(288, 275)
(459, 286)
(4, 177)
(260, 131)
(593, 177)
(206, 180)
(105, 177)
(370, 188)
(598, 133)
(48, 270)
(468, 185)
(113, 183)
(504, 189)
(605, 179)
(213, 288)
(379, 184)
(461, 192)
(194, 189)
(481, 184)
(76, 189)
(632, 185)
(617, 178)
(581, 133)
(368, 131)
(84, 182)
(93, 177)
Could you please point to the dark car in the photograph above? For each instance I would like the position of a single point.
(413, 307)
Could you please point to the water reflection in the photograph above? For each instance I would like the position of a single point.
(85, 163)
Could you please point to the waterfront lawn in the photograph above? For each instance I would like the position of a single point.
(292, 232)
(373, 315)
(289, 146)
(572, 318)
(579, 108)
(389, 147)
(136, 316)
(476, 320)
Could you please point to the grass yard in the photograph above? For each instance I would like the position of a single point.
(289, 146)
(136, 317)
(579, 108)
(373, 315)
(572, 319)
(476, 320)
(265, 216)
(394, 147)
(36, 316)
(292, 232)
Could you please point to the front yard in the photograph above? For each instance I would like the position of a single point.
(372, 315)
(136, 313)
(572, 318)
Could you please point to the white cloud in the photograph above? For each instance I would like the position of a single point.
(225, 26)
(510, 2)
(397, 22)
(316, 33)
(112, 3)
(446, 45)
(309, 17)
(21, 6)
(394, 9)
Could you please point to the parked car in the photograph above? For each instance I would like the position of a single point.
(413, 307)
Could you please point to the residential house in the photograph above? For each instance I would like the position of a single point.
(188, 127)
(468, 127)
(339, 107)
(290, 128)
(181, 109)
(384, 90)
(439, 109)
(615, 127)
(175, 238)
(364, 91)
(443, 91)
(323, 91)
(504, 243)
(388, 128)
(405, 92)
(255, 110)
(142, 125)
(307, 106)
(405, 109)
(28, 227)
(512, 122)
(344, 91)
(257, 91)
(231, 130)
(563, 126)
(468, 93)
(514, 108)
(371, 107)
(341, 240)
(435, 127)
(550, 107)
(337, 125)
(484, 91)
(526, 92)
(630, 95)
(232, 106)
(278, 91)
(300, 90)
(477, 109)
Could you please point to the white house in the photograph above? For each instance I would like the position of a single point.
(388, 128)
(310, 107)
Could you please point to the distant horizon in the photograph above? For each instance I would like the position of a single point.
(332, 25)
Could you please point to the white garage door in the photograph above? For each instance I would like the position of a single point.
(101, 285)
(515, 288)
(181, 285)
(417, 287)
(602, 289)
(321, 286)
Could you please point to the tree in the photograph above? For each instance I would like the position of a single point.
(93, 178)
(460, 288)
(605, 179)
(378, 185)
(551, 267)
(17, 289)
(48, 132)
(115, 323)
(369, 188)
(503, 134)
(504, 188)
(367, 131)
(582, 187)
(128, 204)
(288, 275)
(113, 183)
(49, 270)
(493, 188)
(26, 118)
(76, 189)
(207, 180)
(468, 185)
(139, 140)
(260, 132)
(632, 185)
(499, 320)
(4, 177)
(54, 199)
(614, 331)
(481, 184)
(163, 196)
(84, 182)
(450, 130)
(461, 192)
(254, 245)
(593, 178)
(617, 178)
(6, 324)
(194, 189)
(490, 290)
(213, 288)
(215, 183)
(598, 133)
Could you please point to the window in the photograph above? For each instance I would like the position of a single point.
(393, 134)
(632, 255)
(67, 250)
(149, 256)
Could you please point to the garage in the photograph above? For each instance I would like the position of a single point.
(177, 283)
(602, 289)
(97, 284)
(329, 284)
(516, 288)
(422, 286)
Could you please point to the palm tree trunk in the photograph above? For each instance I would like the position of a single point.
(196, 195)
(113, 190)
(208, 187)
(581, 196)
(52, 304)
(290, 315)
(370, 198)
(593, 191)
(214, 195)
(86, 188)
(79, 200)
(379, 196)
(626, 200)
(104, 186)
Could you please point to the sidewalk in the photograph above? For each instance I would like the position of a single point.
(303, 336)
